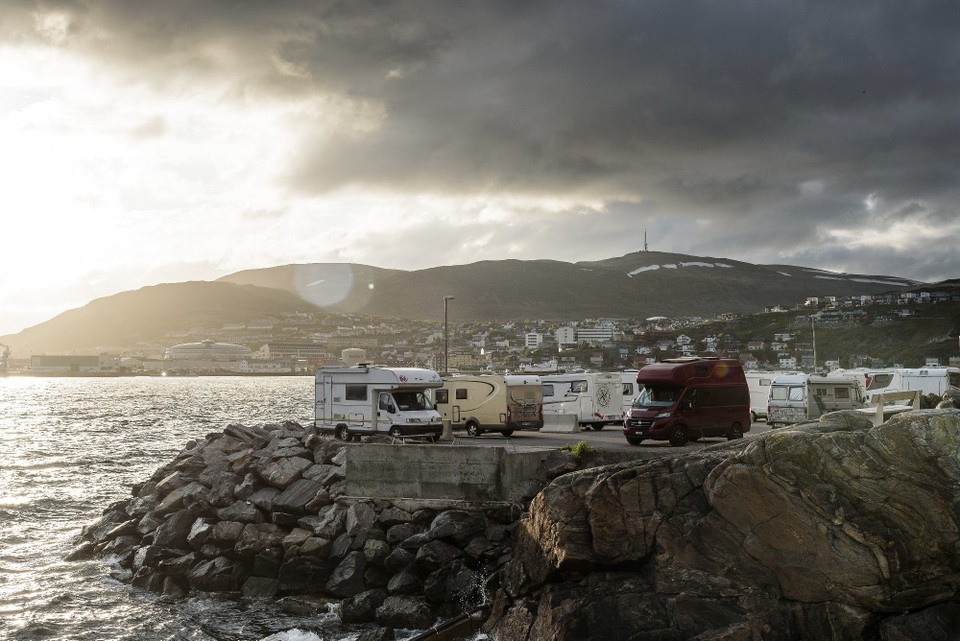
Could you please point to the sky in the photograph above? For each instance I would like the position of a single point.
(149, 142)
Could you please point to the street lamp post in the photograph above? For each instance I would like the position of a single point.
(446, 335)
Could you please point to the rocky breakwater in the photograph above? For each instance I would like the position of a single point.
(260, 512)
(827, 530)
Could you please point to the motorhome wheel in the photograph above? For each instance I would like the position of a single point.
(633, 440)
(753, 416)
(395, 432)
(597, 426)
(735, 432)
(678, 436)
(507, 432)
(473, 429)
(342, 433)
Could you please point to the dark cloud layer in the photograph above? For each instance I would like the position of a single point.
(776, 120)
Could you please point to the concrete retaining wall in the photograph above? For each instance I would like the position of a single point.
(462, 472)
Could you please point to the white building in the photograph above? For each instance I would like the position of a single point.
(533, 340)
(596, 335)
(566, 336)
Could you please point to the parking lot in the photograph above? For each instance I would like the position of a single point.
(610, 437)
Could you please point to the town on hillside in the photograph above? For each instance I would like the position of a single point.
(298, 343)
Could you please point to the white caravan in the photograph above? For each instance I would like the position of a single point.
(596, 398)
(354, 401)
(795, 398)
(491, 403)
(759, 383)
(926, 380)
(930, 380)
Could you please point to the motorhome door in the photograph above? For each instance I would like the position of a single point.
(324, 412)
(386, 412)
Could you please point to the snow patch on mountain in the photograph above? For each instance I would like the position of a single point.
(650, 268)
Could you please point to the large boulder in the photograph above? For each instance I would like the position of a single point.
(817, 531)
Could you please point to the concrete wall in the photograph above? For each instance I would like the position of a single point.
(456, 473)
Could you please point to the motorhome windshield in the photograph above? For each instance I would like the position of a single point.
(787, 393)
(410, 401)
(653, 396)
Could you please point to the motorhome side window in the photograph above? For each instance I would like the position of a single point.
(548, 390)
(443, 396)
(355, 392)
(628, 389)
(461, 393)
(842, 392)
(578, 387)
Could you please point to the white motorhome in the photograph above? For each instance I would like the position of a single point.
(759, 383)
(795, 398)
(354, 401)
(596, 398)
(491, 403)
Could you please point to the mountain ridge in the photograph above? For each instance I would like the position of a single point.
(636, 285)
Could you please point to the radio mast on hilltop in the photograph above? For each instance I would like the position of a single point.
(644, 240)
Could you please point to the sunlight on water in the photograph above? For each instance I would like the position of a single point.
(69, 447)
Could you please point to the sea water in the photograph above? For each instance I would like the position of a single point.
(69, 447)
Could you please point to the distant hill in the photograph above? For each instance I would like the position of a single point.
(145, 315)
(637, 285)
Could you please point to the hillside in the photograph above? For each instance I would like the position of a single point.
(145, 315)
(634, 286)
(637, 285)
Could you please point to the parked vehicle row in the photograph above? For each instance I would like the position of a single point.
(678, 400)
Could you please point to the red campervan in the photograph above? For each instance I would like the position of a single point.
(684, 399)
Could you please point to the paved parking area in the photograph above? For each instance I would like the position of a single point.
(610, 437)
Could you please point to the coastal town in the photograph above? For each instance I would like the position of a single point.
(298, 343)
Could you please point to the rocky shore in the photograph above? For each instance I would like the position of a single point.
(830, 530)
(261, 512)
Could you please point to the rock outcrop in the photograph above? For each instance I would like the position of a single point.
(828, 530)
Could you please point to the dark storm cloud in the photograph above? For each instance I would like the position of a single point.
(717, 109)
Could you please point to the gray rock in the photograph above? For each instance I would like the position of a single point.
(246, 487)
(458, 525)
(437, 554)
(225, 533)
(175, 499)
(329, 523)
(402, 531)
(199, 532)
(324, 474)
(362, 607)
(398, 559)
(295, 498)
(391, 516)
(937, 623)
(281, 473)
(242, 511)
(405, 612)
(379, 634)
(254, 436)
(217, 575)
(257, 537)
(260, 587)
(376, 552)
(406, 581)
(295, 450)
(360, 516)
(347, 578)
(174, 530)
(263, 498)
(317, 546)
(303, 574)
(296, 537)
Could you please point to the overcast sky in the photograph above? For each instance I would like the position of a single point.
(145, 142)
